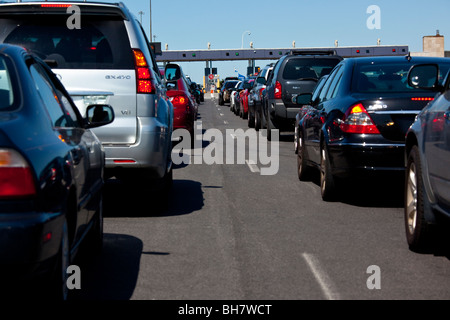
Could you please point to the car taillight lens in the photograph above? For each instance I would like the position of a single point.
(180, 101)
(357, 120)
(278, 90)
(16, 177)
(145, 81)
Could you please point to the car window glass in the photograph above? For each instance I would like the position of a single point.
(386, 77)
(101, 43)
(318, 88)
(304, 68)
(326, 87)
(7, 99)
(333, 84)
(50, 98)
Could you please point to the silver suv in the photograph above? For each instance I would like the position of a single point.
(105, 59)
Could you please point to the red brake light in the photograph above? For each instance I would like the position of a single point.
(145, 82)
(422, 99)
(56, 5)
(16, 177)
(357, 120)
(278, 90)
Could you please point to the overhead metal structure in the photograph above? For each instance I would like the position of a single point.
(273, 54)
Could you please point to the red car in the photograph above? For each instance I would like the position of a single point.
(248, 84)
(185, 107)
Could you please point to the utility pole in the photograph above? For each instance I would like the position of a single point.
(141, 13)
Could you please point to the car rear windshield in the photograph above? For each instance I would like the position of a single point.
(305, 68)
(386, 77)
(8, 92)
(101, 43)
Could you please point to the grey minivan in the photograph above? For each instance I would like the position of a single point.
(106, 59)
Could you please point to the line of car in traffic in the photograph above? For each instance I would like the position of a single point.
(77, 107)
(360, 118)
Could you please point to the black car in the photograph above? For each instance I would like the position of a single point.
(51, 173)
(225, 91)
(304, 111)
(427, 187)
(295, 73)
(358, 123)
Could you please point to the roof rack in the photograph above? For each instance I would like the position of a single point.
(313, 52)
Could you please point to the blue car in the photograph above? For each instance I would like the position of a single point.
(427, 192)
(51, 173)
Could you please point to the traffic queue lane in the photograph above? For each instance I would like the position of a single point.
(231, 233)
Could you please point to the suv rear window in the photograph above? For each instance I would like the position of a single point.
(101, 43)
(304, 68)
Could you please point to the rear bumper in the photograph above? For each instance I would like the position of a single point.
(24, 252)
(150, 152)
(358, 158)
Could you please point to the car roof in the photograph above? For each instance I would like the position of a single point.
(412, 59)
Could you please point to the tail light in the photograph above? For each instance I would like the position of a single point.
(180, 101)
(278, 90)
(144, 78)
(261, 92)
(357, 120)
(16, 177)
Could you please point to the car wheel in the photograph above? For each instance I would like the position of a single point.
(94, 241)
(416, 204)
(251, 120)
(269, 127)
(303, 169)
(257, 121)
(59, 288)
(327, 181)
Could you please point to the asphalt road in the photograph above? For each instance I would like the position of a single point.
(231, 233)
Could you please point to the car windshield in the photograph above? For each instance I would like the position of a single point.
(8, 94)
(99, 44)
(304, 68)
(386, 77)
(230, 84)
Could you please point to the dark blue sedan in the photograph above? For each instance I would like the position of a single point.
(356, 126)
(51, 172)
(427, 191)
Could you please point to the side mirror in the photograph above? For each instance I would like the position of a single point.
(303, 99)
(98, 115)
(172, 72)
(424, 76)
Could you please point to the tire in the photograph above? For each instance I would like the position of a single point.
(418, 233)
(270, 127)
(251, 120)
(94, 240)
(258, 125)
(327, 181)
(59, 289)
(303, 170)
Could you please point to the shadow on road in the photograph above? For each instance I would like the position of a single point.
(123, 199)
(113, 274)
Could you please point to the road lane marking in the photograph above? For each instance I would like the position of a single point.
(321, 276)
(253, 167)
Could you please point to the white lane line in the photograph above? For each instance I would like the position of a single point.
(322, 278)
(253, 167)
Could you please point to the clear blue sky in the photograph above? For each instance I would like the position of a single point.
(185, 25)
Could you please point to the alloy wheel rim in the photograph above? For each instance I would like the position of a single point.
(322, 171)
(411, 199)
